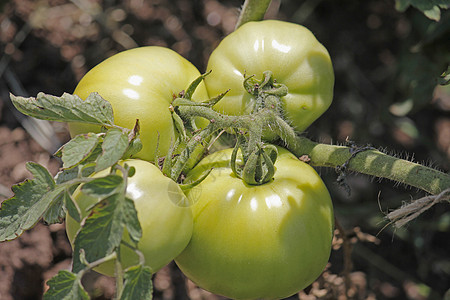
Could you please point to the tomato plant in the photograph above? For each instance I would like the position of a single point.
(295, 58)
(140, 84)
(163, 213)
(261, 241)
(260, 225)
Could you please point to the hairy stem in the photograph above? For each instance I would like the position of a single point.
(252, 10)
(181, 162)
(372, 162)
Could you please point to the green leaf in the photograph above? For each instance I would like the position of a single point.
(434, 13)
(55, 212)
(72, 206)
(417, 78)
(138, 283)
(134, 147)
(131, 221)
(402, 5)
(102, 232)
(77, 149)
(66, 175)
(115, 143)
(102, 187)
(67, 108)
(31, 200)
(430, 8)
(65, 286)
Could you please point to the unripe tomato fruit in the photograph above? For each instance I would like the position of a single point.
(163, 212)
(258, 242)
(140, 84)
(291, 52)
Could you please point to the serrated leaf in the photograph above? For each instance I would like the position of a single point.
(430, 8)
(71, 206)
(138, 283)
(133, 148)
(30, 201)
(102, 187)
(115, 143)
(67, 108)
(92, 158)
(77, 149)
(65, 286)
(66, 175)
(434, 13)
(101, 233)
(131, 221)
(41, 175)
(55, 213)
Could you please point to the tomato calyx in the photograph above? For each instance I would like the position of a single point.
(258, 158)
(259, 165)
(190, 139)
(267, 91)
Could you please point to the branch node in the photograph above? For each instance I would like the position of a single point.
(342, 169)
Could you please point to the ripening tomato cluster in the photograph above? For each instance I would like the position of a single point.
(238, 240)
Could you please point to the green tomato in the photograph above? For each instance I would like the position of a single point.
(251, 242)
(294, 56)
(140, 84)
(163, 212)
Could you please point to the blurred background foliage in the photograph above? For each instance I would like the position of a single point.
(388, 58)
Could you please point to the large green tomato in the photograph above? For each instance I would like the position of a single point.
(163, 212)
(294, 56)
(140, 84)
(251, 242)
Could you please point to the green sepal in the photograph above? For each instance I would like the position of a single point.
(267, 92)
(213, 101)
(251, 171)
(179, 125)
(188, 186)
(134, 144)
(259, 167)
(168, 163)
(208, 103)
(193, 86)
(237, 170)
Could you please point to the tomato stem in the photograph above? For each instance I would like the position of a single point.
(253, 124)
(182, 159)
(372, 162)
(267, 114)
(252, 10)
